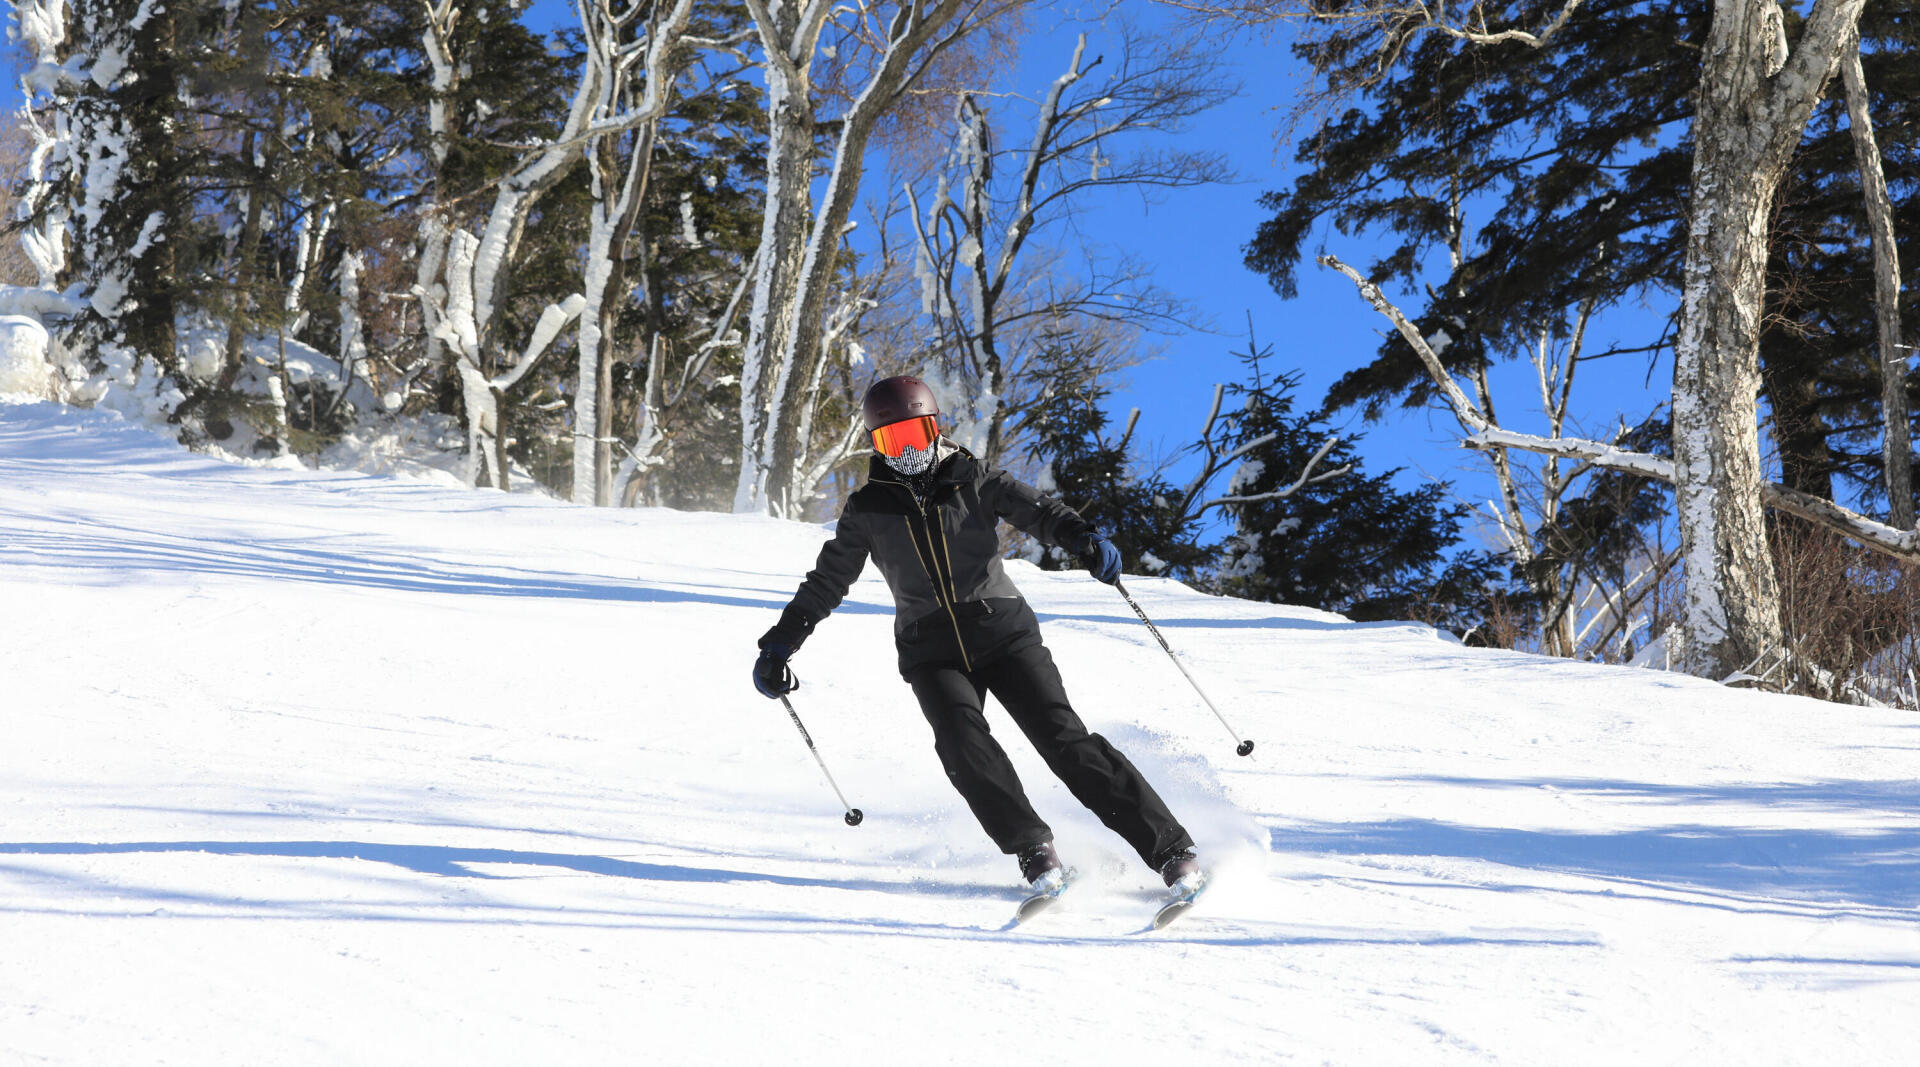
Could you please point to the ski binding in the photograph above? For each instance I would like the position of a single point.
(1047, 890)
(1183, 893)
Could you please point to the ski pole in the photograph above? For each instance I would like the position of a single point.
(1245, 748)
(853, 814)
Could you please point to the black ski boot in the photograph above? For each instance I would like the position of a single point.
(1180, 866)
(1041, 864)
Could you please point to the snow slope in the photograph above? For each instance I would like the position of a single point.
(326, 768)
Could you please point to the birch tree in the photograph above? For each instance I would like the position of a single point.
(801, 240)
(632, 92)
(1756, 94)
(1481, 431)
(462, 275)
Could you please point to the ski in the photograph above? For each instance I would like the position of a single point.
(1044, 897)
(1184, 894)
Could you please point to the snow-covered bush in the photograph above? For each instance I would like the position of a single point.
(24, 370)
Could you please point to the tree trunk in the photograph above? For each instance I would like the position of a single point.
(1897, 445)
(1750, 112)
(784, 228)
(248, 257)
(154, 157)
(619, 193)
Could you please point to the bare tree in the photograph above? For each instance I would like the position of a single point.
(1399, 21)
(462, 274)
(1482, 432)
(970, 245)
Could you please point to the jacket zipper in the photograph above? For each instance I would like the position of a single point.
(945, 599)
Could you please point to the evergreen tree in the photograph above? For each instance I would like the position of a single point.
(1101, 477)
(1353, 544)
(131, 182)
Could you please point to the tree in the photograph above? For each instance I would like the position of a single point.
(1101, 477)
(1754, 101)
(126, 187)
(1754, 98)
(1895, 411)
(1351, 543)
(637, 64)
(988, 305)
(691, 257)
(800, 244)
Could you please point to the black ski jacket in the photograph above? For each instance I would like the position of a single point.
(953, 602)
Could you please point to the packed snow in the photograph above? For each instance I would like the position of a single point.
(327, 768)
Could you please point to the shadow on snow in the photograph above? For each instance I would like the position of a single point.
(120, 549)
(1875, 864)
(446, 861)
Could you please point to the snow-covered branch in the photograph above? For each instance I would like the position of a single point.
(1401, 18)
(1481, 433)
(1469, 415)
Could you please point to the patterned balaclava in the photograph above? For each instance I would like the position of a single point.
(912, 461)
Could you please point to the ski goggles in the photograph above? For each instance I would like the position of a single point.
(896, 437)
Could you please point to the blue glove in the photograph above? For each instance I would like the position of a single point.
(770, 674)
(1102, 559)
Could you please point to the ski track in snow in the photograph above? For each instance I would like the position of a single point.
(328, 768)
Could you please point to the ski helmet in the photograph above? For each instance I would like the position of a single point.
(890, 400)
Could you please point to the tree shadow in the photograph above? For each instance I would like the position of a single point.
(451, 862)
(125, 549)
(1876, 868)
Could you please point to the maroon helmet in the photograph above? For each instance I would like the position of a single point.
(891, 400)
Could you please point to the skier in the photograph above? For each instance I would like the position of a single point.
(929, 518)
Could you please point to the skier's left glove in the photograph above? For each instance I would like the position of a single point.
(1102, 559)
(770, 674)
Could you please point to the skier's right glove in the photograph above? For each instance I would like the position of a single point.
(770, 674)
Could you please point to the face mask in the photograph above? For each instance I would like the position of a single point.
(912, 460)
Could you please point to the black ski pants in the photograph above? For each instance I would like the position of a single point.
(1028, 685)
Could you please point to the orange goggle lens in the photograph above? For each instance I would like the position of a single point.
(896, 437)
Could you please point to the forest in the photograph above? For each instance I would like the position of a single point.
(653, 257)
